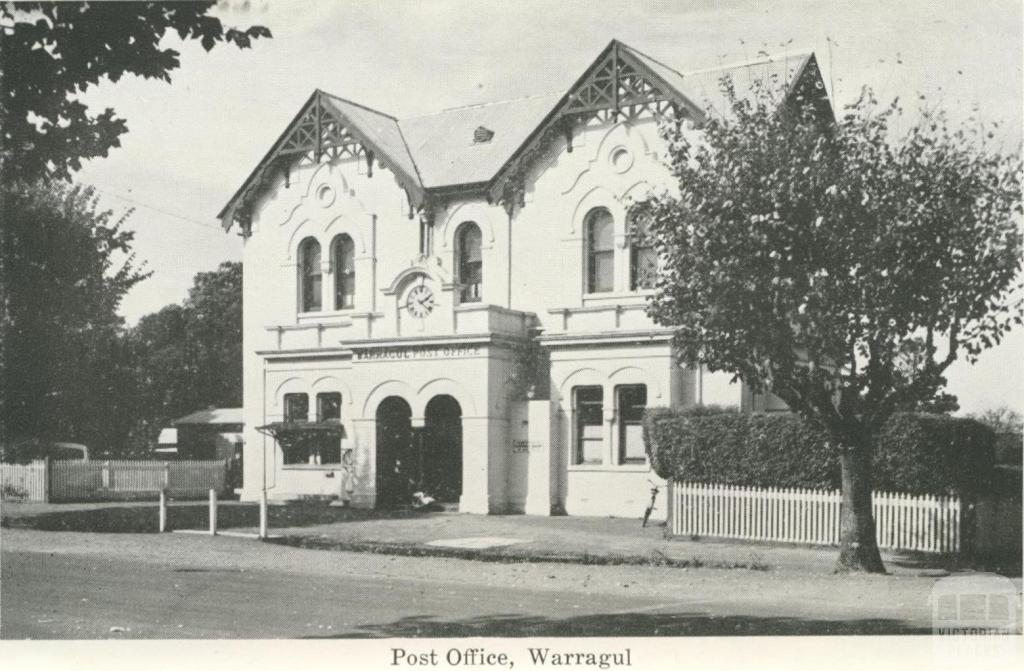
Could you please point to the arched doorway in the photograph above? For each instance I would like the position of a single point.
(396, 461)
(442, 449)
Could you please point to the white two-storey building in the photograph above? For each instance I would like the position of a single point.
(464, 292)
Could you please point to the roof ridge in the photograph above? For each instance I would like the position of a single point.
(359, 105)
(531, 96)
(651, 58)
(806, 53)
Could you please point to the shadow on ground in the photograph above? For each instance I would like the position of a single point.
(143, 517)
(629, 624)
(1008, 565)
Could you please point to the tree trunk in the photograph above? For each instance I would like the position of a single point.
(858, 547)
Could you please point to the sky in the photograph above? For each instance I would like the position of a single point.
(192, 142)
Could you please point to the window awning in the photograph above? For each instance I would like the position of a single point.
(291, 431)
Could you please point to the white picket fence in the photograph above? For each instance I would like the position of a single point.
(23, 482)
(69, 480)
(903, 522)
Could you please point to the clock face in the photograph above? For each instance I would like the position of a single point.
(420, 301)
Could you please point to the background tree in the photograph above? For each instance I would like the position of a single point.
(57, 308)
(1002, 419)
(837, 263)
(189, 357)
(54, 51)
(64, 372)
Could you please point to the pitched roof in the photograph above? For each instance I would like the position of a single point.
(439, 150)
(442, 143)
(212, 416)
(380, 129)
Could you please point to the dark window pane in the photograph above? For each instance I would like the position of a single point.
(602, 269)
(470, 263)
(296, 407)
(344, 273)
(643, 268)
(589, 425)
(309, 267)
(328, 406)
(630, 404)
(600, 252)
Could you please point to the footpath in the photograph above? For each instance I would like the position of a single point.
(503, 538)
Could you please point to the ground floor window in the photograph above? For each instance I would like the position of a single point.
(588, 408)
(312, 447)
(296, 407)
(630, 401)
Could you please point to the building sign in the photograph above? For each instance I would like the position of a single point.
(524, 446)
(408, 353)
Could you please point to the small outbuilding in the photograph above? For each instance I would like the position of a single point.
(214, 433)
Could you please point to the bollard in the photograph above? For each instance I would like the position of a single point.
(213, 512)
(163, 510)
(263, 515)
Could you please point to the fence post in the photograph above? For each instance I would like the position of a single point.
(263, 514)
(213, 512)
(46, 479)
(163, 510)
(105, 475)
(167, 475)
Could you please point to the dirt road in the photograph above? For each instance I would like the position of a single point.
(75, 585)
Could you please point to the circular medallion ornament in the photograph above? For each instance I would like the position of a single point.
(621, 159)
(325, 195)
(420, 301)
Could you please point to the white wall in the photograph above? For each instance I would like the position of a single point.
(534, 279)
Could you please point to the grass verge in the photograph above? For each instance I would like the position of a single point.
(510, 556)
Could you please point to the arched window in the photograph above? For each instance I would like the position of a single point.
(643, 258)
(309, 275)
(600, 251)
(344, 272)
(469, 262)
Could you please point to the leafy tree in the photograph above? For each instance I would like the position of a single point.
(838, 264)
(62, 359)
(188, 357)
(64, 371)
(54, 51)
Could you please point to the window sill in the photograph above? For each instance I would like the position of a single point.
(610, 468)
(313, 467)
(617, 295)
(325, 314)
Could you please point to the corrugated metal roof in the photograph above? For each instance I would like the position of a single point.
(212, 416)
(442, 143)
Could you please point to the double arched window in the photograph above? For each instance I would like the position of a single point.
(309, 275)
(600, 251)
(599, 230)
(469, 262)
(343, 262)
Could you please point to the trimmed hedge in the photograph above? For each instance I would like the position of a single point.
(916, 453)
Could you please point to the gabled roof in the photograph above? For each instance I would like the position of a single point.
(382, 131)
(446, 149)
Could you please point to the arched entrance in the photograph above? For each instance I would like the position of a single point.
(442, 449)
(396, 463)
